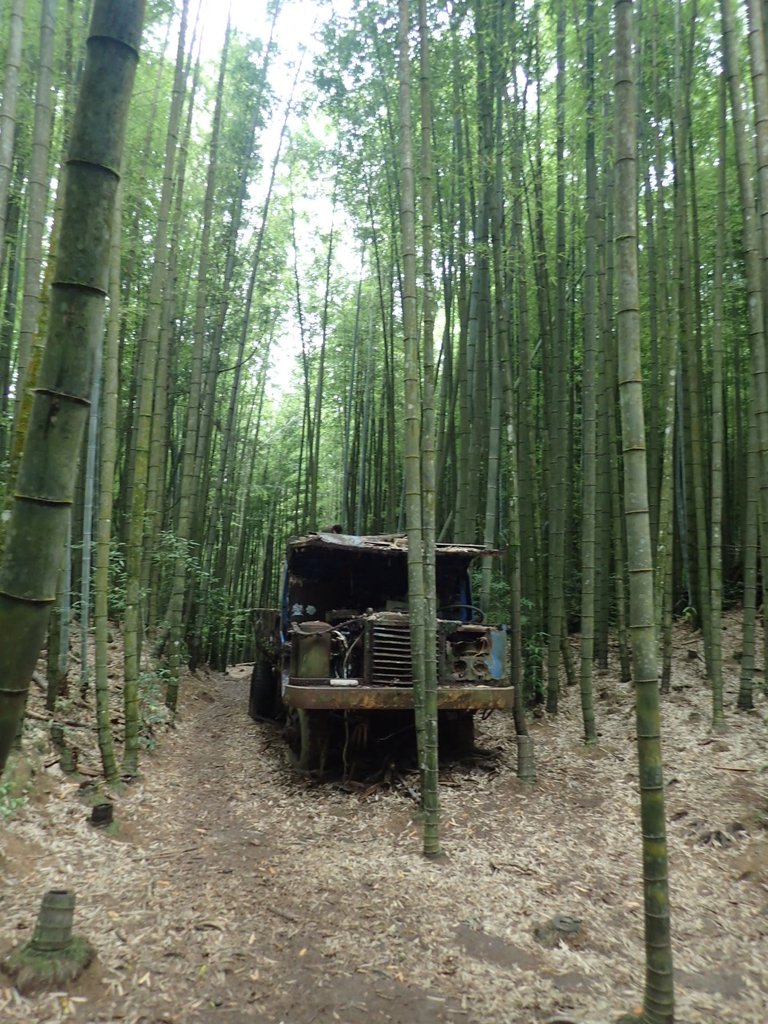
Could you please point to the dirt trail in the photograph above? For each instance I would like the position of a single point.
(237, 891)
(224, 891)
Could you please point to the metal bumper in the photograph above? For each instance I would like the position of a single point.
(320, 695)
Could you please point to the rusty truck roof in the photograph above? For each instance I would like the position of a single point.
(385, 543)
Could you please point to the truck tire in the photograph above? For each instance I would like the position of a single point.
(307, 733)
(262, 701)
(457, 733)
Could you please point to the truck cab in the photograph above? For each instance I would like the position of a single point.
(339, 644)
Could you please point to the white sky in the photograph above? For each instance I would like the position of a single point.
(297, 23)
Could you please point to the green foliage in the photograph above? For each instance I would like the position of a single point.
(10, 800)
(169, 549)
(117, 578)
(498, 606)
(16, 781)
(155, 716)
(535, 644)
(342, 140)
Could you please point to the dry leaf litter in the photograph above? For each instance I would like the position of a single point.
(234, 889)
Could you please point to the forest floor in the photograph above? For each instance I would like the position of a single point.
(232, 889)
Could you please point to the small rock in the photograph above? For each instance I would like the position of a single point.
(559, 928)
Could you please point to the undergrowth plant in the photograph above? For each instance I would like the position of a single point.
(155, 716)
(10, 801)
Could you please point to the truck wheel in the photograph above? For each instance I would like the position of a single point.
(307, 738)
(262, 701)
(457, 733)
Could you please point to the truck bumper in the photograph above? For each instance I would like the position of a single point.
(321, 696)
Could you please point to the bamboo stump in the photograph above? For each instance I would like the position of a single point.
(53, 956)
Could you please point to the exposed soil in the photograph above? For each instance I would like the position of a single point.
(233, 889)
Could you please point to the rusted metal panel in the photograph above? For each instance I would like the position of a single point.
(385, 543)
(311, 649)
(320, 696)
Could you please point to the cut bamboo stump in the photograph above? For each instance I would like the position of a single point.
(102, 815)
(53, 956)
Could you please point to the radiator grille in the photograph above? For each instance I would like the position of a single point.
(391, 663)
(388, 654)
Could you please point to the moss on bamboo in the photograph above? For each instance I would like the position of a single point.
(32, 969)
(53, 956)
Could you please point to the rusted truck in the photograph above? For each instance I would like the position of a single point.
(338, 648)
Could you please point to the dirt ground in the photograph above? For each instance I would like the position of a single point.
(232, 889)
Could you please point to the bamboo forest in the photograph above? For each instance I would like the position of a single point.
(384, 489)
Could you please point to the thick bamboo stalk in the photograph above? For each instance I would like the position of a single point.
(658, 1002)
(10, 96)
(133, 629)
(428, 453)
(589, 403)
(47, 476)
(716, 537)
(38, 194)
(417, 600)
(104, 520)
(752, 262)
